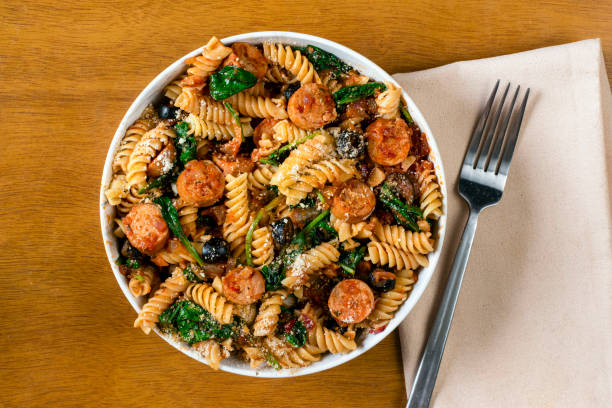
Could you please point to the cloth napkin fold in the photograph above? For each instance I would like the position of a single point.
(533, 324)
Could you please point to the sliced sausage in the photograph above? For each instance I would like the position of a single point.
(201, 183)
(351, 301)
(311, 107)
(389, 141)
(233, 164)
(163, 162)
(243, 285)
(248, 57)
(145, 228)
(354, 202)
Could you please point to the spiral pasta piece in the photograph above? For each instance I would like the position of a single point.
(132, 198)
(205, 295)
(188, 216)
(169, 290)
(278, 75)
(431, 196)
(267, 317)
(381, 253)
(388, 302)
(117, 190)
(287, 132)
(145, 150)
(259, 89)
(141, 281)
(293, 61)
(174, 88)
(236, 224)
(388, 101)
(287, 356)
(174, 253)
(324, 339)
(408, 241)
(347, 230)
(203, 65)
(258, 106)
(189, 100)
(309, 262)
(316, 176)
(262, 246)
(260, 177)
(212, 351)
(132, 136)
(305, 154)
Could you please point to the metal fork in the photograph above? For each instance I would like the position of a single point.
(481, 183)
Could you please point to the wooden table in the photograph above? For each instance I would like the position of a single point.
(69, 70)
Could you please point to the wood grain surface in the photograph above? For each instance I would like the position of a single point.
(68, 72)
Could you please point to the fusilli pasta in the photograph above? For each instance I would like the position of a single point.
(206, 296)
(258, 106)
(203, 65)
(292, 61)
(408, 241)
(388, 101)
(160, 301)
(267, 317)
(381, 253)
(236, 223)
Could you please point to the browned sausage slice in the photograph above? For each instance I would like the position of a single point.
(201, 183)
(233, 164)
(353, 202)
(145, 228)
(351, 301)
(311, 107)
(163, 162)
(248, 57)
(389, 141)
(243, 285)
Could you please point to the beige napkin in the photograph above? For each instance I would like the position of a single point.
(533, 325)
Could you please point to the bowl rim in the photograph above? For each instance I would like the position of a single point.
(153, 91)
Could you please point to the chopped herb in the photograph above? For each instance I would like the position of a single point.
(295, 332)
(320, 197)
(355, 92)
(139, 277)
(190, 275)
(229, 81)
(272, 361)
(172, 219)
(185, 143)
(405, 215)
(406, 115)
(132, 263)
(120, 260)
(322, 60)
(349, 259)
(306, 202)
(277, 156)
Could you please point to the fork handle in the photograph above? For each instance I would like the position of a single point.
(427, 373)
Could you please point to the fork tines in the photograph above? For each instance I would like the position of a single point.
(493, 151)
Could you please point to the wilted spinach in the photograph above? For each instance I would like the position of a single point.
(229, 81)
(355, 92)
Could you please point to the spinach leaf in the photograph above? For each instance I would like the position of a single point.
(276, 157)
(172, 219)
(229, 81)
(193, 323)
(322, 59)
(301, 239)
(404, 214)
(306, 202)
(132, 263)
(163, 181)
(274, 272)
(272, 361)
(295, 332)
(355, 92)
(186, 144)
(190, 275)
(349, 259)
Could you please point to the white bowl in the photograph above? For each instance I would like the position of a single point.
(154, 92)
